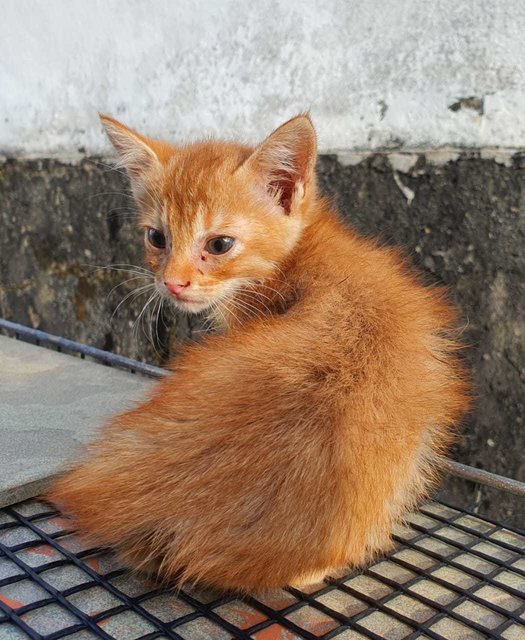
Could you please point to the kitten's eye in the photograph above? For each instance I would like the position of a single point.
(219, 245)
(156, 238)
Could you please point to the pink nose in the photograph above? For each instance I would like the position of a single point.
(176, 288)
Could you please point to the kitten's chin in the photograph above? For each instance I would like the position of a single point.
(191, 306)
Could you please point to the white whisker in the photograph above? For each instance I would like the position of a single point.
(252, 306)
(120, 284)
(141, 314)
(136, 292)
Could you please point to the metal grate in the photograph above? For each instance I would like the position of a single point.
(452, 575)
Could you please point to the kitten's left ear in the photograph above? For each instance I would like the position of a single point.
(285, 161)
(137, 154)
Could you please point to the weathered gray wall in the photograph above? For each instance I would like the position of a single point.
(462, 222)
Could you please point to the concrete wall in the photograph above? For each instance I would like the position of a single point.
(375, 74)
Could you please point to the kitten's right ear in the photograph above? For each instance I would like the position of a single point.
(285, 161)
(136, 152)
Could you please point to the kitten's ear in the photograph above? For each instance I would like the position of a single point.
(286, 161)
(136, 153)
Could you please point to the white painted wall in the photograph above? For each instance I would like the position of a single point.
(374, 73)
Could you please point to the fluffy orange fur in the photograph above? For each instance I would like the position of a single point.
(287, 445)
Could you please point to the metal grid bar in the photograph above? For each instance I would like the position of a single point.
(496, 527)
(452, 562)
(301, 615)
(77, 559)
(41, 338)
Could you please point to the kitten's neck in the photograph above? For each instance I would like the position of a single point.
(257, 301)
(282, 290)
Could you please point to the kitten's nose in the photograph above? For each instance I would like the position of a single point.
(175, 287)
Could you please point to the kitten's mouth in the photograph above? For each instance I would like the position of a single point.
(189, 303)
(185, 299)
(193, 305)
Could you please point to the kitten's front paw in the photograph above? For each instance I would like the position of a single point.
(311, 581)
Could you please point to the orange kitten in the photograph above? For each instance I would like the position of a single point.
(288, 445)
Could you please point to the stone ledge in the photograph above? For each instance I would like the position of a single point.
(51, 405)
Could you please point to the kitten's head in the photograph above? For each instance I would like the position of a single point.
(219, 217)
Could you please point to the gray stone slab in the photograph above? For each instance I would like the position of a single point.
(50, 405)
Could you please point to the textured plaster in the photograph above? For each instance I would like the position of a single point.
(374, 74)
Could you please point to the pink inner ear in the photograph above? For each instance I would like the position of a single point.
(286, 158)
(282, 185)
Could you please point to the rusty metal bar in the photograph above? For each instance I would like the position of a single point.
(487, 478)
